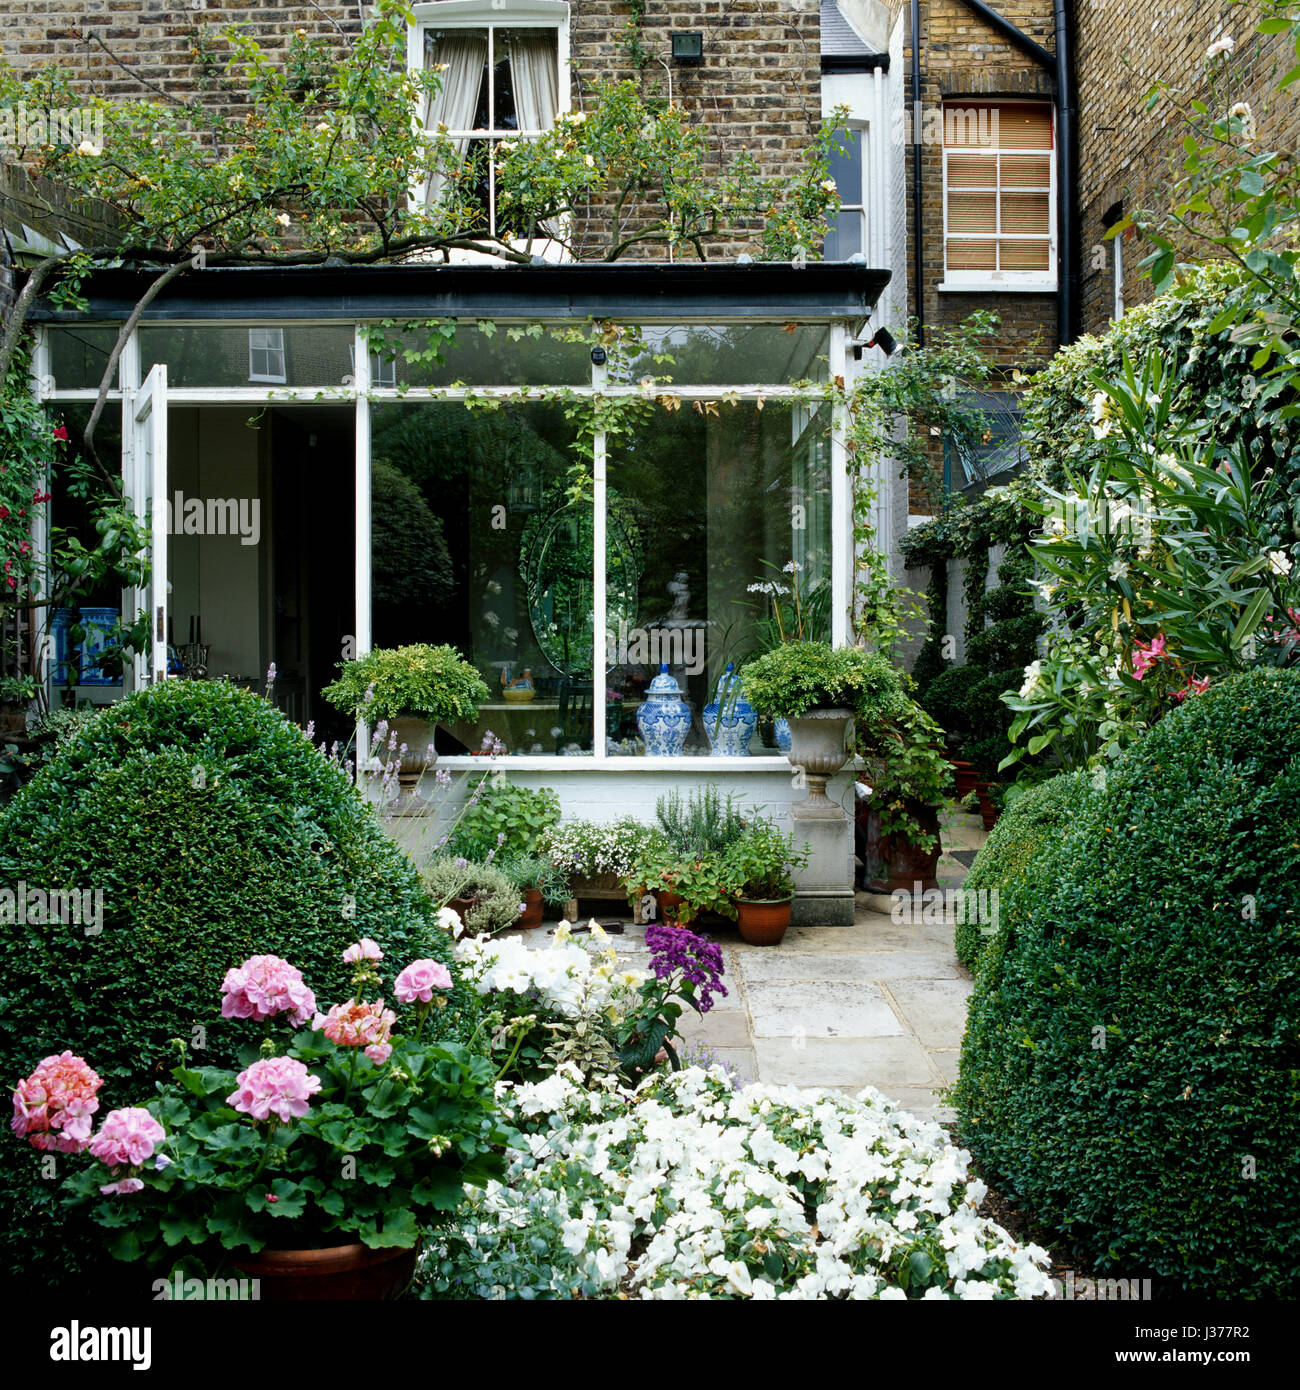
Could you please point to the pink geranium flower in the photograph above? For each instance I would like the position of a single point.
(356, 1024)
(265, 986)
(123, 1185)
(420, 979)
(127, 1137)
(54, 1105)
(1145, 657)
(275, 1086)
(365, 949)
(379, 1053)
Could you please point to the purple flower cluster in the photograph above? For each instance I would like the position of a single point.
(697, 957)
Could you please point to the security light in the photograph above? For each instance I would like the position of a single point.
(688, 49)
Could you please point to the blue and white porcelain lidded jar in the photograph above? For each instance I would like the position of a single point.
(664, 718)
(729, 719)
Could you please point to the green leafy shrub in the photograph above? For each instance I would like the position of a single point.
(1130, 1063)
(448, 876)
(1024, 830)
(907, 768)
(426, 682)
(797, 677)
(502, 818)
(702, 824)
(761, 864)
(214, 831)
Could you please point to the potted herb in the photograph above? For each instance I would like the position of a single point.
(539, 884)
(316, 1168)
(910, 779)
(410, 689)
(500, 818)
(818, 689)
(16, 693)
(481, 894)
(759, 870)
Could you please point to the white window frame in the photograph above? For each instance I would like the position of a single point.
(864, 96)
(986, 280)
(858, 148)
(491, 15)
(272, 351)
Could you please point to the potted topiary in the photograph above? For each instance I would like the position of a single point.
(316, 1169)
(411, 689)
(16, 693)
(758, 871)
(818, 689)
(910, 779)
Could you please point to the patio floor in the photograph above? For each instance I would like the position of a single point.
(877, 1004)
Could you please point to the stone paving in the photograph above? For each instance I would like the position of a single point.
(878, 1003)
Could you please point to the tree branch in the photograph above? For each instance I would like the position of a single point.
(36, 278)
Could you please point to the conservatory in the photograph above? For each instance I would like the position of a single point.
(581, 476)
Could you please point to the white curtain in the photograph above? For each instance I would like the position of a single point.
(536, 81)
(465, 55)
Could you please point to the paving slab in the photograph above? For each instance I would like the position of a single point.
(720, 1029)
(936, 1009)
(947, 1062)
(820, 1008)
(866, 965)
(853, 1062)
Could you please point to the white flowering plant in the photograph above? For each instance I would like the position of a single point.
(587, 849)
(687, 1188)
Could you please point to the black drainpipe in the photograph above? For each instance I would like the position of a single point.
(1058, 64)
(918, 249)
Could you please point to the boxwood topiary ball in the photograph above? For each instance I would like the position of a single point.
(1131, 1066)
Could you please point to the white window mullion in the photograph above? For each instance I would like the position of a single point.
(599, 619)
(841, 522)
(361, 541)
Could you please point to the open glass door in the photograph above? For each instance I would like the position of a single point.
(147, 422)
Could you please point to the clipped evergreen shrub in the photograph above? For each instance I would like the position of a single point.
(214, 831)
(1131, 1065)
(1027, 825)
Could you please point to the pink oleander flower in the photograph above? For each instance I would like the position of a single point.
(275, 1086)
(379, 1053)
(265, 986)
(54, 1105)
(365, 949)
(123, 1185)
(1197, 687)
(420, 979)
(127, 1137)
(358, 1024)
(1145, 657)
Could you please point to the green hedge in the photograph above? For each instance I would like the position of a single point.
(215, 831)
(1131, 1066)
(1025, 828)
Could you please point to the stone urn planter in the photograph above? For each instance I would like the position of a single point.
(763, 921)
(417, 734)
(819, 745)
(333, 1274)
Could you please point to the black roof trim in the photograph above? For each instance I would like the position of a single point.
(651, 292)
(858, 62)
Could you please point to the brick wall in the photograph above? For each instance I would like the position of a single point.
(1125, 153)
(758, 88)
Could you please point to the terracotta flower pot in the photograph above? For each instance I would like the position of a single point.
(965, 776)
(989, 812)
(531, 916)
(463, 905)
(334, 1273)
(896, 861)
(669, 903)
(763, 921)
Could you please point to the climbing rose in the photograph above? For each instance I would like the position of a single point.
(278, 1086)
(365, 949)
(127, 1137)
(420, 979)
(358, 1024)
(265, 986)
(54, 1105)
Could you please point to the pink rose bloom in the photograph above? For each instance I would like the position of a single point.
(420, 979)
(358, 1025)
(127, 1137)
(275, 1086)
(265, 986)
(54, 1105)
(365, 949)
(123, 1185)
(379, 1053)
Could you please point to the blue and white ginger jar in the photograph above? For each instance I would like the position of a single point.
(664, 718)
(729, 719)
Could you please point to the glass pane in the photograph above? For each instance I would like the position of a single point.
(1025, 213)
(1024, 255)
(476, 543)
(971, 255)
(730, 355)
(846, 170)
(527, 79)
(972, 212)
(462, 101)
(318, 355)
(845, 237)
(1026, 170)
(726, 499)
(509, 355)
(972, 171)
(78, 356)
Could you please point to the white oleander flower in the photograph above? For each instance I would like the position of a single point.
(1279, 562)
(1033, 675)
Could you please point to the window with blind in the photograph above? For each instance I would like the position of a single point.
(999, 187)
